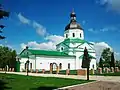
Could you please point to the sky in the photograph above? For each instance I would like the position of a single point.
(40, 24)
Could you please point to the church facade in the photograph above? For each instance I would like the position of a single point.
(68, 54)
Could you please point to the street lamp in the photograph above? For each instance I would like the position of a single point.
(27, 62)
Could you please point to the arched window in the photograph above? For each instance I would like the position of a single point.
(62, 48)
(50, 64)
(80, 34)
(73, 34)
(30, 65)
(93, 66)
(66, 35)
(60, 65)
(25, 66)
(68, 65)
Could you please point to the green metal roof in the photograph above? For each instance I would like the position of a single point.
(77, 40)
(89, 56)
(42, 52)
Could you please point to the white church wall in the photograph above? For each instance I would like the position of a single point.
(70, 53)
(93, 62)
(93, 54)
(79, 61)
(77, 33)
(44, 62)
(22, 63)
(79, 64)
(74, 44)
(33, 63)
(85, 45)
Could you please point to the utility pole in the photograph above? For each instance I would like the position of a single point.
(27, 60)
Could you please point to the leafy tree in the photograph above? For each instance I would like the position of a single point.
(3, 14)
(106, 56)
(112, 62)
(86, 61)
(7, 57)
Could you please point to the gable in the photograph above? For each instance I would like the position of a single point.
(89, 56)
(89, 47)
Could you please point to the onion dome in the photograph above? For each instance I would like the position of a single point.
(73, 23)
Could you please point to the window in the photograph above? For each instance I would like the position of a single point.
(73, 34)
(60, 66)
(25, 66)
(61, 48)
(93, 66)
(80, 34)
(66, 35)
(50, 64)
(68, 65)
(30, 65)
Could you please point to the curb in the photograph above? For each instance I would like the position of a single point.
(75, 85)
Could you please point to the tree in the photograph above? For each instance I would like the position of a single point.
(3, 14)
(12, 61)
(7, 57)
(101, 63)
(112, 62)
(86, 61)
(106, 56)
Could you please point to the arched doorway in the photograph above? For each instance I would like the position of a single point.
(53, 67)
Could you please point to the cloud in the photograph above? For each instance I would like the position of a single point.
(49, 44)
(110, 4)
(43, 46)
(55, 38)
(23, 46)
(99, 47)
(112, 28)
(50, 40)
(23, 19)
(92, 30)
(39, 29)
(117, 55)
(104, 29)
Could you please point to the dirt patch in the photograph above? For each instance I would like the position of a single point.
(100, 85)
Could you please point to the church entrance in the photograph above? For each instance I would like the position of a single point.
(53, 68)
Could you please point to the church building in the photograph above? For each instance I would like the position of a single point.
(68, 54)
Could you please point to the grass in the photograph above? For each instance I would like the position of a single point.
(21, 82)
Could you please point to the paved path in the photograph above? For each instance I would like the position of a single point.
(99, 85)
(98, 78)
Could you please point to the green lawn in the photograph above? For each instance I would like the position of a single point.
(20, 82)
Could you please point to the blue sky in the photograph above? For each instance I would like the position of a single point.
(38, 22)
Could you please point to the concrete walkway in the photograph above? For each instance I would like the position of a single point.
(98, 78)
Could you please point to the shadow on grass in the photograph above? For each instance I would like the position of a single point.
(44, 88)
(3, 85)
